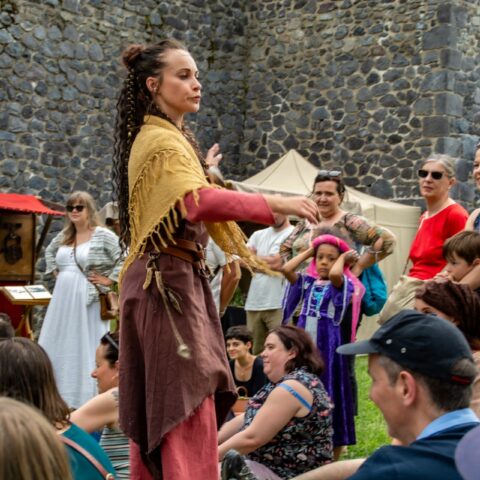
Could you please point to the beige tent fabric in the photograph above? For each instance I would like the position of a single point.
(109, 211)
(293, 175)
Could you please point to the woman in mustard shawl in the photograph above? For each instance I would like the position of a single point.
(175, 382)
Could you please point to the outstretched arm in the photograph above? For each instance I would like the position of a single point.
(219, 205)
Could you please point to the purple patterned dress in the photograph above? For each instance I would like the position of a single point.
(323, 309)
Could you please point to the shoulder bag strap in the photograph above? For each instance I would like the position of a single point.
(80, 268)
(106, 475)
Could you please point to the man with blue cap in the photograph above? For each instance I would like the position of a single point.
(422, 372)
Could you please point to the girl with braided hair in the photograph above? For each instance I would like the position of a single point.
(175, 382)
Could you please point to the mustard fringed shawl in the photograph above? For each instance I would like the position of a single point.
(162, 169)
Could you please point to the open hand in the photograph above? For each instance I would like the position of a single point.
(301, 206)
(214, 156)
(98, 279)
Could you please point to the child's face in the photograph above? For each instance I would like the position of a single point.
(457, 267)
(326, 256)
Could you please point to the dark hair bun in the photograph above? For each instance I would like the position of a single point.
(131, 53)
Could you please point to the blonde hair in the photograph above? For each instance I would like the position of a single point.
(86, 199)
(30, 449)
(446, 161)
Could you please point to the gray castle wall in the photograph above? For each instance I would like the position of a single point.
(368, 86)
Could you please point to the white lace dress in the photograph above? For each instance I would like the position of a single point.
(72, 329)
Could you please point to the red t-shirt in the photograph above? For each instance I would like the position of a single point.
(426, 250)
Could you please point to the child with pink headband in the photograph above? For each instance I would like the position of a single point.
(326, 290)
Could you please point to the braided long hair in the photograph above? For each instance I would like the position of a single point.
(135, 101)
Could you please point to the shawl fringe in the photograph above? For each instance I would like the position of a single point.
(163, 169)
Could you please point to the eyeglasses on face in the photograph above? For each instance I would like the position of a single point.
(329, 173)
(435, 175)
(108, 338)
(78, 208)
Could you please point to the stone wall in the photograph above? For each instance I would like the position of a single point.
(60, 76)
(368, 86)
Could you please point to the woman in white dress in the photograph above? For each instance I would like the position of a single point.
(72, 326)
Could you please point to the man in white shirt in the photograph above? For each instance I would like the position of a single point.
(264, 300)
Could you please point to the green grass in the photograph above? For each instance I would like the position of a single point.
(370, 426)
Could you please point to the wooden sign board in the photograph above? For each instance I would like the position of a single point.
(17, 233)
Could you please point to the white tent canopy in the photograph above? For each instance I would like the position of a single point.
(293, 175)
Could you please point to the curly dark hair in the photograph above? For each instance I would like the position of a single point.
(134, 102)
(300, 341)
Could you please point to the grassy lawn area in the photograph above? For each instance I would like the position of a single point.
(370, 426)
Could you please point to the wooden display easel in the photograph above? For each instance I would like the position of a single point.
(28, 304)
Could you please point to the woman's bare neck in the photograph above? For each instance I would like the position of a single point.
(332, 219)
(246, 360)
(435, 206)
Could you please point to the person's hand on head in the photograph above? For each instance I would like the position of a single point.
(350, 257)
(214, 156)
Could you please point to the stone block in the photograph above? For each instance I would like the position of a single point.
(469, 144)
(450, 58)
(438, 81)
(443, 36)
(423, 106)
(462, 167)
(436, 126)
(447, 103)
(448, 12)
(448, 145)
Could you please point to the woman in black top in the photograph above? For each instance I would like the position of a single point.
(247, 369)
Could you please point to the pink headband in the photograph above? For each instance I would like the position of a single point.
(329, 239)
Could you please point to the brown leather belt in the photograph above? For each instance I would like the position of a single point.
(189, 251)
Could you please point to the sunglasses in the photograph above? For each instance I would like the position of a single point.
(108, 338)
(329, 173)
(435, 175)
(78, 208)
